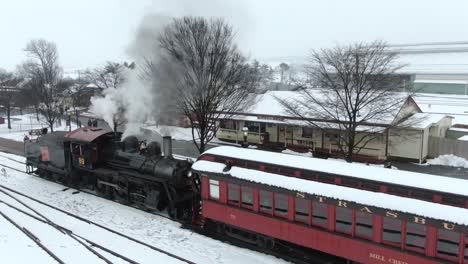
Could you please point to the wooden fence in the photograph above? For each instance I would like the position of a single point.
(440, 146)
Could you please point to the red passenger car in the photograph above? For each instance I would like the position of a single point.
(270, 198)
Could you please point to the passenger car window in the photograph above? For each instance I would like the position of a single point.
(233, 193)
(319, 213)
(391, 230)
(214, 189)
(302, 210)
(364, 224)
(266, 201)
(281, 204)
(447, 243)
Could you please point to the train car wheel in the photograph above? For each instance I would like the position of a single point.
(120, 196)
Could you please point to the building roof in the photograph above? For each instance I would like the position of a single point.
(423, 120)
(87, 134)
(267, 108)
(453, 105)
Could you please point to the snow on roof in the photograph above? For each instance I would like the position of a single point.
(464, 138)
(413, 179)
(459, 129)
(449, 62)
(443, 81)
(382, 200)
(267, 104)
(453, 105)
(423, 120)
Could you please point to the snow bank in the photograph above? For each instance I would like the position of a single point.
(449, 160)
(292, 152)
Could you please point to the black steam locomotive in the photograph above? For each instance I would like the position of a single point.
(128, 171)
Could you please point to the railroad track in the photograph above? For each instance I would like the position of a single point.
(77, 190)
(12, 159)
(86, 243)
(11, 191)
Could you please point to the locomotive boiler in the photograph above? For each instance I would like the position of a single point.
(128, 171)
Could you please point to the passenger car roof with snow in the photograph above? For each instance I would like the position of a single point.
(382, 200)
(413, 179)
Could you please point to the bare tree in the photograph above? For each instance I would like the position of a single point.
(111, 75)
(45, 74)
(359, 89)
(9, 87)
(211, 72)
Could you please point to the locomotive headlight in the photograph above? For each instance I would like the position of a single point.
(189, 174)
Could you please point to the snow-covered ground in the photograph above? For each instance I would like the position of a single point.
(22, 124)
(146, 227)
(449, 160)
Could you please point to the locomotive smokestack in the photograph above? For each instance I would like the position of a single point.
(167, 146)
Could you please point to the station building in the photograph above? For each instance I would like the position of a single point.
(403, 136)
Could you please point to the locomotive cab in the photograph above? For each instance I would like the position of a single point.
(86, 146)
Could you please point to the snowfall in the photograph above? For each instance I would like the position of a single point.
(16, 247)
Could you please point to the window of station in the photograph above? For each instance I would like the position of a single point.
(307, 132)
(448, 244)
(281, 204)
(228, 124)
(391, 230)
(266, 201)
(302, 210)
(214, 189)
(415, 237)
(247, 196)
(319, 213)
(233, 193)
(364, 224)
(344, 220)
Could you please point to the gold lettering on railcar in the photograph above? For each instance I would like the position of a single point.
(396, 261)
(366, 209)
(376, 256)
(321, 199)
(383, 259)
(448, 226)
(300, 195)
(391, 214)
(419, 220)
(342, 204)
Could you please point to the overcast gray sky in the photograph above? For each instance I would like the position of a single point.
(90, 32)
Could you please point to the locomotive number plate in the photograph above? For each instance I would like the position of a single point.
(81, 161)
